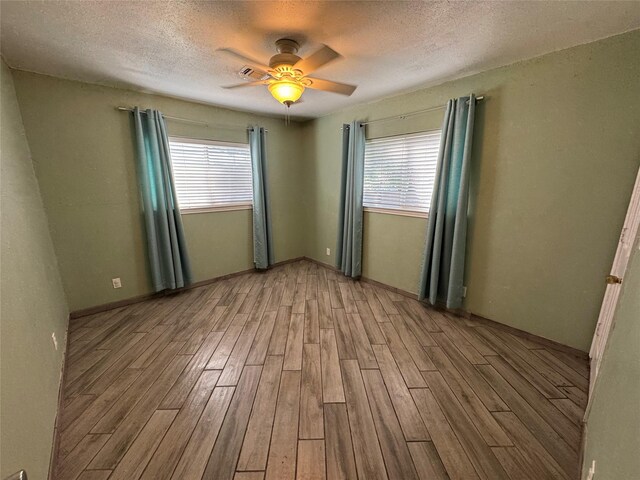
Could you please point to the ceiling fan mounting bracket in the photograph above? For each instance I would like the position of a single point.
(286, 45)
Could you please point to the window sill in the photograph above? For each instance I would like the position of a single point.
(226, 208)
(392, 211)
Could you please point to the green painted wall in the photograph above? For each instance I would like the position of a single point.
(33, 305)
(555, 154)
(84, 157)
(392, 244)
(613, 425)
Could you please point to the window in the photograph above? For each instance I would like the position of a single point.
(210, 175)
(399, 172)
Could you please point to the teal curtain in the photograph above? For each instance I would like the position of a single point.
(262, 241)
(442, 277)
(349, 248)
(166, 246)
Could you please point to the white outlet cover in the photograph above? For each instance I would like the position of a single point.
(116, 282)
(328, 251)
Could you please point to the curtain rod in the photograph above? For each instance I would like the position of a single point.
(178, 119)
(186, 120)
(405, 115)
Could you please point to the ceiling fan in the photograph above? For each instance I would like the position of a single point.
(286, 77)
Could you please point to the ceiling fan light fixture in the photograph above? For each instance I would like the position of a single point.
(287, 75)
(285, 91)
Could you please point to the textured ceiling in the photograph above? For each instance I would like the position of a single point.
(171, 47)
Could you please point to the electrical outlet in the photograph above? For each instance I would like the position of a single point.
(328, 251)
(116, 282)
(55, 340)
(464, 292)
(592, 471)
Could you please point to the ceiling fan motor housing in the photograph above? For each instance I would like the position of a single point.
(286, 55)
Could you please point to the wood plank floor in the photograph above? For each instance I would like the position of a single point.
(300, 373)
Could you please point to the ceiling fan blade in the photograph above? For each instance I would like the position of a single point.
(247, 84)
(329, 86)
(245, 59)
(317, 59)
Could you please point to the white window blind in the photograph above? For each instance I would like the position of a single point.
(399, 171)
(211, 174)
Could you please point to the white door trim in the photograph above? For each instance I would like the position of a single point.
(612, 292)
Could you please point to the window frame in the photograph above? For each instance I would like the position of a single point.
(396, 211)
(404, 212)
(231, 207)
